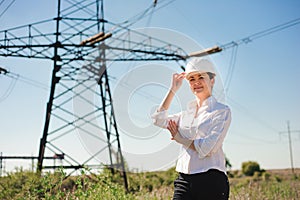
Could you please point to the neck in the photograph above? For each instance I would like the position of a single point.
(201, 99)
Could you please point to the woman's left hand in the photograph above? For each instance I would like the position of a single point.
(173, 128)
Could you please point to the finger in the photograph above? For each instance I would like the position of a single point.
(172, 132)
(171, 125)
(175, 75)
(179, 77)
(182, 75)
(171, 122)
(170, 128)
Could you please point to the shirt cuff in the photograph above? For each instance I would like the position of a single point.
(160, 118)
(197, 143)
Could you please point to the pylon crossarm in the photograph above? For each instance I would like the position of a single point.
(27, 41)
(141, 45)
(136, 54)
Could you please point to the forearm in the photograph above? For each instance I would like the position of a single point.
(184, 141)
(167, 101)
(176, 84)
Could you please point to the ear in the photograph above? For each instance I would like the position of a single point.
(212, 81)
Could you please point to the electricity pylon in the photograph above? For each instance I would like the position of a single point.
(81, 48)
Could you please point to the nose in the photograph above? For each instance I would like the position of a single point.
(197, 82)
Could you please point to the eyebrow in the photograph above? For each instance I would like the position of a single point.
(197, 75)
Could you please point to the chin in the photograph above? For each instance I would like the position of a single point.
(197, 91)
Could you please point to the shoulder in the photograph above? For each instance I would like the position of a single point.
(218, 106)
(221, 106)
(221, 111)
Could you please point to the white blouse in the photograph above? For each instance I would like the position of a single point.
(207, 128)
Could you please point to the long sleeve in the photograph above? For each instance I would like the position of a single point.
(213, 140)
(162, 118)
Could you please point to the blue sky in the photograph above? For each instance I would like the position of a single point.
(264, 86)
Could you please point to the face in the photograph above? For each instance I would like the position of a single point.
(201, 84)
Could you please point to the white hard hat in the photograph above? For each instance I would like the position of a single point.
(199, 65)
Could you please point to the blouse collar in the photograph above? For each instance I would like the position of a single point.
(207, 104)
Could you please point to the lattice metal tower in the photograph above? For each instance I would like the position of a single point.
(81, 42)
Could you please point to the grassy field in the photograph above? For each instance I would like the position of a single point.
(271, 184)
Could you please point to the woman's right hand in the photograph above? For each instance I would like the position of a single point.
(176, 84)
(177, 81)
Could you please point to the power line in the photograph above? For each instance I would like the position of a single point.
(250, 38)
(9, 90)
(147, 11)
(10, 87)
(7, 7)
(231, 67)
(1, 2)
(136, 18)
(260, 34)
(28, 81)
(246, 40)
(23, 79)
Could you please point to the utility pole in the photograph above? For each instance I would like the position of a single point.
(290, 144)
(0, 164)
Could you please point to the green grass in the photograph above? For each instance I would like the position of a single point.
(152, 186)
(253, 188)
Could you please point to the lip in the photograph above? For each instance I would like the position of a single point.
(197, 88)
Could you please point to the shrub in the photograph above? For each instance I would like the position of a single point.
(266, 176)
(250, 167)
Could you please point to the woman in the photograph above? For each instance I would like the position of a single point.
(200, 130)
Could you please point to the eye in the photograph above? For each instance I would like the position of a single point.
(201, 76)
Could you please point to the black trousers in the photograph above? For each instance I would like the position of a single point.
(210, 185)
